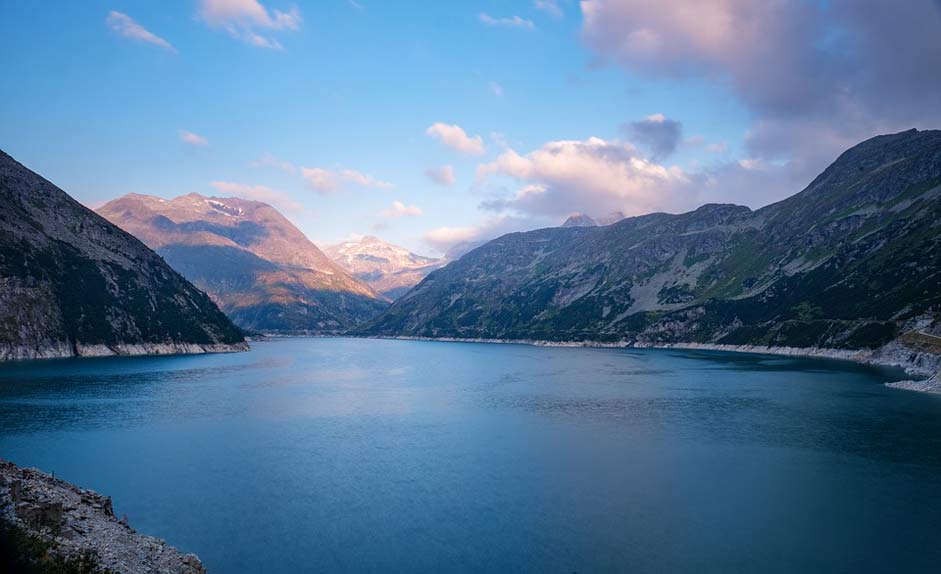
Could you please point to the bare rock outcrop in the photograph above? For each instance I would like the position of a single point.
(74, 521)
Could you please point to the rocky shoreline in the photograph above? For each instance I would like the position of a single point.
(73, 521)
(925, 367)
(61, 350)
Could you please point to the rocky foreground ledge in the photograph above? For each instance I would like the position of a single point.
(74, 524)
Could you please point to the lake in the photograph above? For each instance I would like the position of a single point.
(352, 455)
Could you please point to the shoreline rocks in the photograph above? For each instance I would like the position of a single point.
(62, 350)
(74, 521)
(924, 365)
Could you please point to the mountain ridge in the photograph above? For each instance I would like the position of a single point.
(827, 267)
(260, 268)
(73, 284)
(389, 269)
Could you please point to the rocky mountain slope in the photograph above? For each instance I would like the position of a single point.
(78, 528)
(73, 284)
(389, 269)
(261, 270)
(851, 262)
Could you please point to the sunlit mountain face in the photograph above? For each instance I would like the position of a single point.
(389, 269)
(260, 269)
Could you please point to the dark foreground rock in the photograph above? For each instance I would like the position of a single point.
(78, 526)
(73, 284)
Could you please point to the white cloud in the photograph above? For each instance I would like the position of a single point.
(257, 193)
(243, 18)
(319, 179)
(399, 209)
(192, 138)
(592, 176)
(456, 138)
(269, 160)
(364, 180)
(508, 22)
(443, 239)
(551, 7)
(443, 175)
(818, 77)
(325, 180)
(126, 26)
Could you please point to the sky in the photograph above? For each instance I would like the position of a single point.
(434, 123)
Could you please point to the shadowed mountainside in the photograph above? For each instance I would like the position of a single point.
(71, 283)
(852, 261)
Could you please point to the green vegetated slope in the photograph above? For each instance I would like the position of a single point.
(852, 261)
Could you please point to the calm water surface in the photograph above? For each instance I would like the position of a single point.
(342, 455)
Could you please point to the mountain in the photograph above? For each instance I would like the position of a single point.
(261, 270)
(579, 220)
(389, 269)
(71, 283)
(853, 261)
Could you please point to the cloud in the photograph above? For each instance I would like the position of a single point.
(592, 176)
(243, 18)
(443, 175)
(364, 180)
(495, 89)
(399, 209)
(456, 138)
(319, 179)
(325, 180)
(657, 133)
(126, 26)
(444, 239)
(550, 7)
(193, 139)
(258, 193)
(269, 160)
(817, 77)
(509, 22)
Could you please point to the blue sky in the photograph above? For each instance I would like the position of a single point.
(100, 97)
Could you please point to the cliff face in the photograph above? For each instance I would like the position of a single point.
(71, 283)
(853, 261)
(389, 269)
(261, 270)
(80, 528)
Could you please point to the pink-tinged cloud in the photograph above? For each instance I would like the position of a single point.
(191, 138)
(243, 19)
(442, 175)
(269, 160)
(817, 77)
(593, 176)
(454, 137)
(457, 240)
(126, 26)
(323, 180)
(399, 209)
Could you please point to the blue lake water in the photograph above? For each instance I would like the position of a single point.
(346, 455)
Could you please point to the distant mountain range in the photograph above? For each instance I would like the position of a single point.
(389, 269)
(261, 270)
(853, 261)
(71, 283)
